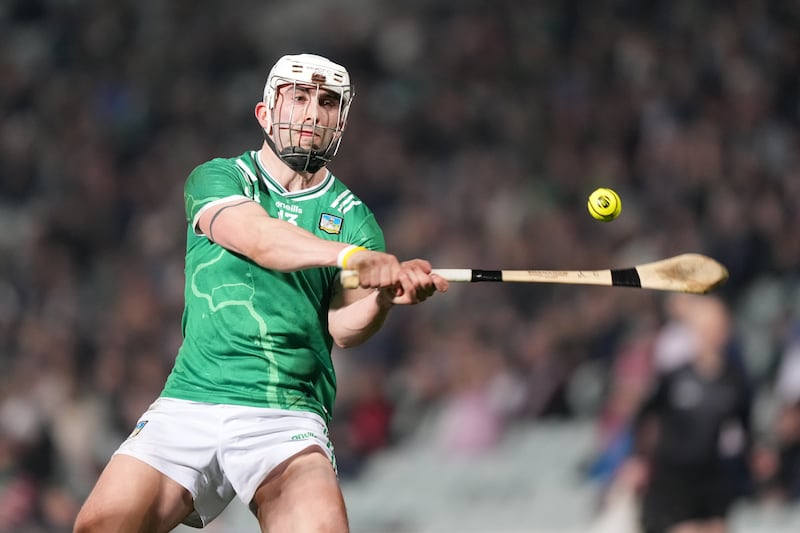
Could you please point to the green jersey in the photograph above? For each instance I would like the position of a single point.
(253, 336)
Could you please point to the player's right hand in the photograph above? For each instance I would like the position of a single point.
(376, 270)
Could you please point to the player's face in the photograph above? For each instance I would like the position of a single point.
(306, 116)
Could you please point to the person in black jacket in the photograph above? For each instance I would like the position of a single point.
(693, 431)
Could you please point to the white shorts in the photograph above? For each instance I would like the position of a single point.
(217, 451)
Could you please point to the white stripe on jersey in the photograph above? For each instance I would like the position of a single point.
(339, 198)
(351, 203)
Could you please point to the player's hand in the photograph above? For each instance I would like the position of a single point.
(376, 270)
(416, 284)
(409, 282)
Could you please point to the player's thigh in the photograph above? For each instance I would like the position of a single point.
(133, 496)
(302, 494)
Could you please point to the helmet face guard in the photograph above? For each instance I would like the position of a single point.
(314, 78)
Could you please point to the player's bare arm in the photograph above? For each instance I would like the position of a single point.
(245, 228)
(357, 314)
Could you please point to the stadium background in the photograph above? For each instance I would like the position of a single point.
(477, 132)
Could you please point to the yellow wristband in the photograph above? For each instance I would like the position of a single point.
(345, 254)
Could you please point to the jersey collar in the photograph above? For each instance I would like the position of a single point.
(276, 187)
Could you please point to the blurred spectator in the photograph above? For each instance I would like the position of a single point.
(627, 387)
(778, 462)
(695, 431)
(787, 438)
(787, 380)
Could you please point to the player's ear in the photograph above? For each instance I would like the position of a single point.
(262, 115)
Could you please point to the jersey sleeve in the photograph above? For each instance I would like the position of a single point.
(369, 234)
(215, 181)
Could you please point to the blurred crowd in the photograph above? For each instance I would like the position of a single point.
(478, 130)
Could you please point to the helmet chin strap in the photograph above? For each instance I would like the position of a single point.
(296, 158)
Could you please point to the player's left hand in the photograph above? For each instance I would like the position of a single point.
(416, 284)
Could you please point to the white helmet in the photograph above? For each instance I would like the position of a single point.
(318, 71)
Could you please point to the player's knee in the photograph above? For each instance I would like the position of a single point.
(89, 521)
(102, 519)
